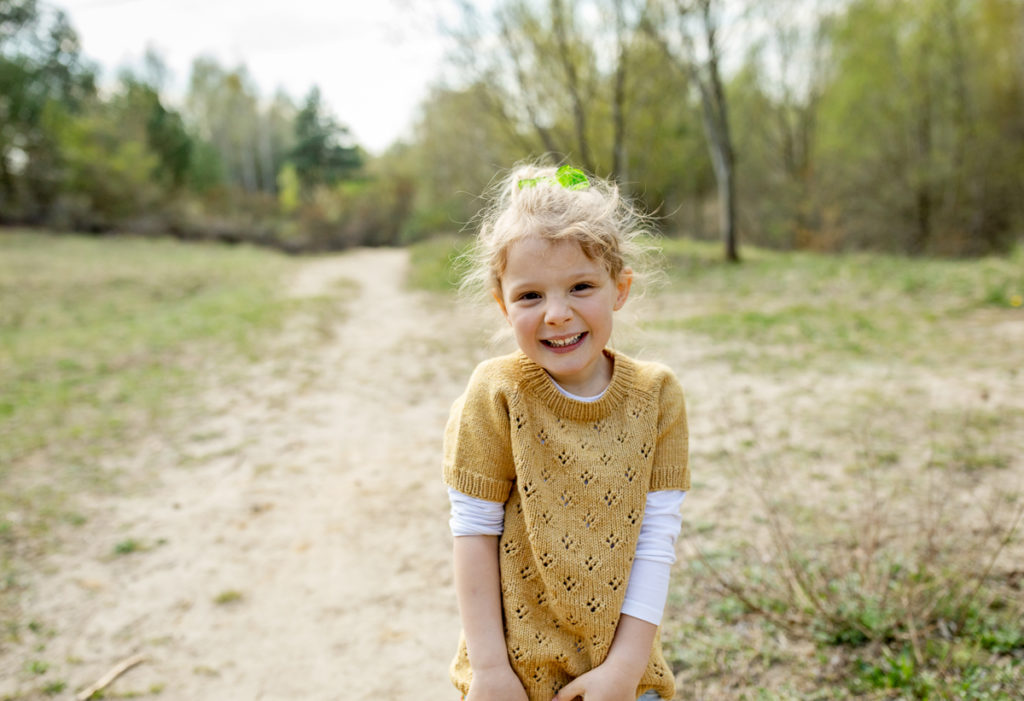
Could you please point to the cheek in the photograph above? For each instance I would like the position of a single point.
(523, 322)
(599, 307)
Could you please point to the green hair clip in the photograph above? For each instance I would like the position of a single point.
(568, 177)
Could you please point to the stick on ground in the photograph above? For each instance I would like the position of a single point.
(108, 678)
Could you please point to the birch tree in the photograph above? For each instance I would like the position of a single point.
(689, 34)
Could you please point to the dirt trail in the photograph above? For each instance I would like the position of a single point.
(297, 546)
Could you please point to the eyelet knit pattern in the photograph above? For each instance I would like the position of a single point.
(574, 478)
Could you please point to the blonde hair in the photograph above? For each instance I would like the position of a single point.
(530, 201)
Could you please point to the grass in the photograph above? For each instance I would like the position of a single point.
(860, 424)
(103, 341)
(881, 562)
(433, 263)
(87, 327)
(228, 596)
(783, 310)
(890, 585)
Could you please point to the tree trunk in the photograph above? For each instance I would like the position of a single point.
(921, 235)
(619, 103)
(715, 116)
(716, 119)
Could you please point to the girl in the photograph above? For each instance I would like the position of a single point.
(566, 462)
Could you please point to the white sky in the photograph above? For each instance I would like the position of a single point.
(374, 60)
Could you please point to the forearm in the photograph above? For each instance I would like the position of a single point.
(631, 647)
(478, 590)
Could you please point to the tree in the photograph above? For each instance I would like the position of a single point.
(696, 29)
(323, 152)
(916, 143)
(557, 75)
(41, 72)
(162, 129)
(224, 106)
(458, 145)
(774, 108)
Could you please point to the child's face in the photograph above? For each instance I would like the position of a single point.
(560, 303)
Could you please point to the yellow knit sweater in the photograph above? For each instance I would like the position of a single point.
(574, 478)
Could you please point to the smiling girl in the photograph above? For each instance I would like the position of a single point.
(566, 462)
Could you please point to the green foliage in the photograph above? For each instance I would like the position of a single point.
(41, 71)
(321, 154)
(368, 211)
(457, 148)
(108, 171)
(251, 138)
(429, 222)
(206, 170)
(164, 130)
(288, 189)
(870, 124)
(911, 149)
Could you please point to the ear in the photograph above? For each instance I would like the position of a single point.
(496, 293)
(622, 285)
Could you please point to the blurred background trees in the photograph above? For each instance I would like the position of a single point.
(885, 124)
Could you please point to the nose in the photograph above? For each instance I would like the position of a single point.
(557, 312)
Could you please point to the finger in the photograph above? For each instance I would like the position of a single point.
(569, 692)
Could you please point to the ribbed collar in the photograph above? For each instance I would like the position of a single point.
(536, 380)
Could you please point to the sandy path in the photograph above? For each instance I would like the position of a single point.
(310, 499)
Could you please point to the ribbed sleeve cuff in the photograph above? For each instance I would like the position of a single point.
(477, 485)
(671, 479)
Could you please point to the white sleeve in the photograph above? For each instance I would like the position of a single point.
(655, 552)
(472, 516)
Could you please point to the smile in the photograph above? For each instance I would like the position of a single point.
(564, 342)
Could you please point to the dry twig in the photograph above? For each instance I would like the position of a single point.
(108, 678)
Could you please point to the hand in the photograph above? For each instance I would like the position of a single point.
(602, 683)
(496, 684)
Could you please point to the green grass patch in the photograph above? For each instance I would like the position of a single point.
(916, 613)
(228, 596)
(57, 686)
(432, 263)
(785, 309)
(96, 333)
(939, 285)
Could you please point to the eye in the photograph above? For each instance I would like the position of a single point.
(528, 296)
(582, 287)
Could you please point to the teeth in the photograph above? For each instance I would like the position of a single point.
(562, 343)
